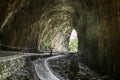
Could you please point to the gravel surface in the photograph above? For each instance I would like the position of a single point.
(62, 67)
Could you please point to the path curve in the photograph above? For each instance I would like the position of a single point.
(42, 69)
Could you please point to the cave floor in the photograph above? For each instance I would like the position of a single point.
(61, 67)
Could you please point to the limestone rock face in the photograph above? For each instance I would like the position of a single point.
(109, 36)
(99, 35)
(42, 24)
(36, 22)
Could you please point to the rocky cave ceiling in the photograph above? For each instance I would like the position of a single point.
(29, 23)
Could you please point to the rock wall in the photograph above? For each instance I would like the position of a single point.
(99, 35)
(87, 29)
(109, 36)
(37, 23)
(10, 64)
(7, 10)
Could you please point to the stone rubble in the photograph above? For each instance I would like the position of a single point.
(61, 67)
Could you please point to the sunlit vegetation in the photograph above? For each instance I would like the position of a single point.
(73, 44)
(45, 44)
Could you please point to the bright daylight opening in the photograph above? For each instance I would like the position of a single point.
(73, 44)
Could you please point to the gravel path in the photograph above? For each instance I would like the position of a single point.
(61, 66)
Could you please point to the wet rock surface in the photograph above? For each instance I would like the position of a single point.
(62, 67)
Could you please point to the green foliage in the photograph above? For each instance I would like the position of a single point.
(45, 43)
(73, 45)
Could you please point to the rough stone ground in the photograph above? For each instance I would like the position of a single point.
(61, 66)
(25, 73)
(22, 74)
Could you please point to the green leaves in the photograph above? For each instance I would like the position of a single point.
(73, 45)
(46, 43)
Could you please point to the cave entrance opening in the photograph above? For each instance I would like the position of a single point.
(73, 43)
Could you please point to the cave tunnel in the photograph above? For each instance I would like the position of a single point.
(41, 24)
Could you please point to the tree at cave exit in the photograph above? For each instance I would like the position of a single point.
(73, 44)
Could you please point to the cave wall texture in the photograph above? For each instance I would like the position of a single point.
(40, 23)
(36, 24)
(10, 65)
